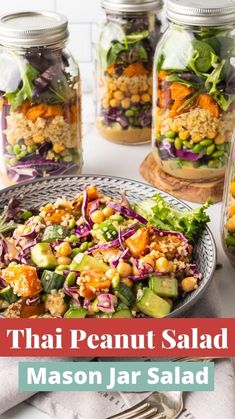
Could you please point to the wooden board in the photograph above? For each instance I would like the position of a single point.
(185, 189)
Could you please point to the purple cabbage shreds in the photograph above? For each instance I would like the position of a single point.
(32, 301)
(67, 271)
(3, 283)
(144, 269)
(113, 115)
(124, 200)
(43, 81)
(145, 117)
(166, 149)
(84, 208)
(123, 255)
(3, 249)
(72, 292)
(113, 244)
(192, 269)
(82, 231)
(188, 155)
(127, 212)
(106, 302)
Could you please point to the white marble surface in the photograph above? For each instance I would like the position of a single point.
(102, 157)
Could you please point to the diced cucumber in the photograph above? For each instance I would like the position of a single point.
(8, 295)
(52, 281)
(75, 313)
(55, 232)
(124, 313)
(164, 286)
(83, 262)
(125, 294)
(42, 256)
(152, 305)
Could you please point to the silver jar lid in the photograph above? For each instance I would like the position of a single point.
(201, 12)
(131, 5)
(31, 29)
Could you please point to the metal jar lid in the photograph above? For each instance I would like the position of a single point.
(32, 29)
(131, 5)
(201, 12)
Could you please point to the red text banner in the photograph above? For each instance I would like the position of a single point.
(117, 337)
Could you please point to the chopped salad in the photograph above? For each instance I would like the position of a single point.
(97, 256)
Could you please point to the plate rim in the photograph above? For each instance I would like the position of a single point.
(188, 304)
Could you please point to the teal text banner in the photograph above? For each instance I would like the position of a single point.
(116, 376)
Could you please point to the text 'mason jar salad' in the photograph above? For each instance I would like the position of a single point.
(124, 71)
(194, 89)
(39, 97)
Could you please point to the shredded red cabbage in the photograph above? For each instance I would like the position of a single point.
(123, 255)
(32, 301)
(82, 231)
(84, 208)
(127, 212)
(3, 249)
(3, 283)
(72, 292)
(115, 243)
(106, 303)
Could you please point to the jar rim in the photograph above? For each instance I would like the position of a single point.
(130, 6)
(33, 28)
(201, 12)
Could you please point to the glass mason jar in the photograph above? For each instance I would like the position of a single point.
(124, 74)
(228, 209)
(194, 90)
(40, 98)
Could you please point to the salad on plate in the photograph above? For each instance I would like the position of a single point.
(97, 256)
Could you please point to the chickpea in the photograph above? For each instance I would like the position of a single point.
(108, 212)
(126, 103)
(123, 88)
(146, 97)
(148, 260)
(128, 282)
(231, 224)
(63, 260)
(184, 135)
(232, 189)
(219, 139)
(164, 265)
(124, 269)
(135, 98)
(232, 209)
(118, 95)
(211, 134)
(196, 137)
(110, 273)
(112, 86)
(105, 103)
(64, 249)
(114, 103)
(97, 217)
(189, 284)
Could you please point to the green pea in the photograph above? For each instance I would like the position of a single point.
(70, 279)
(94, 306)
(117, 217)
(159, 136)
(206, 142)
(210, 149)
(68, 158)
(129, 113)
(230, 240)
(31, 148)
(10, 149)
(16, 149)
(21, 155)
(198, 148)
(220, 147)
(187, 144)
(178, 143)
(13, 160)
(62, 268)
(217, 154)
(115, 281)
(84, 246)
(26, 215)
(213, 164)
(170, 134)
(75, 252)
(71, 224)
(74, 239)
(170, 140)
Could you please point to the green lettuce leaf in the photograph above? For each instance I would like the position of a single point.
(17, 97)
(191, 223)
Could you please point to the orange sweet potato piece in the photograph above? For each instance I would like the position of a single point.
(34, 310)
(53, 110)
(180, 91)
(43, 110)
(162, 75)
(175, 108)
(111, 69)
(135, 69)
(93, 281)
(23, 279)
(55, 215)
(205, 101)
(138, 243)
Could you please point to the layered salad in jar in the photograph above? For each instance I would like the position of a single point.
(40, 113)
(194, 114)
(126, 50)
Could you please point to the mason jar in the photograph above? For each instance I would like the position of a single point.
(124, 72)
(228, 209)
(194, 89)
(40, 97)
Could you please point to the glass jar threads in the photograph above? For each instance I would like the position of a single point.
(228, 209)
(39, 97)
(124, 74)
(194, 89)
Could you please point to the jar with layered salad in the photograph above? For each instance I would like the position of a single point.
(194, 89)
(124, 74)
(228, 209)
(39, 97)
